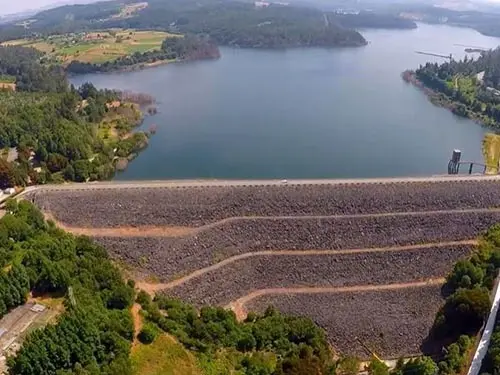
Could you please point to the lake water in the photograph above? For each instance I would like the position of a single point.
(302, 113)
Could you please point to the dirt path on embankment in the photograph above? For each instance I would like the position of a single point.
(238, 306)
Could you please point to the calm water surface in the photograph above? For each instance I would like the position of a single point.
(302, 113)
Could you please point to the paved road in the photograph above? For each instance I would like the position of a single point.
(208, 183)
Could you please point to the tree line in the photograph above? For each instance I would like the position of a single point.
(268, 344)
(181, 48)
(458, 87)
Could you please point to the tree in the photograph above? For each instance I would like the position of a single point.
(464, 311)
(348, 366)
(121, 298)
(56, 162)
(7, 175)
(148, 334)
(377, 367)
(69, 173)
(465, 274)
(418, 366)
(82, 170)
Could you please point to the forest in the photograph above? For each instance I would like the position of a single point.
(366, 19)
(188, 47)
(53, 126)
(94, 332)
(487, 23)
(469, 87)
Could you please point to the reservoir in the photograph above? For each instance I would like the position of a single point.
(302, 113)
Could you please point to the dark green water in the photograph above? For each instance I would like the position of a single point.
(303, 113)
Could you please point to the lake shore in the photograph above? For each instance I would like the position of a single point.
(301, 113)
(441, 100)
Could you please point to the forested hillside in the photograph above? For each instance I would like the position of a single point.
(227, 22)
(469, 87)
(54, 127)
(487, 23)
(22, 64)
(374, 20)
(95, 331)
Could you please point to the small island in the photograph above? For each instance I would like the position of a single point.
(469, 87)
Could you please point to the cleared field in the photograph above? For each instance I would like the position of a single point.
(8, 86)
(232, 281)
(168, 258)
(491, 152)
(393, 323)
(95, 47)
(164, 356)
(201, 206)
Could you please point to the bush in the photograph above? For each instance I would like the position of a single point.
(148, 334)
(465, 275)
(464, 312)
(417, 366)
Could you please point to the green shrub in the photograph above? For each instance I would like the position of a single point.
(148, 334)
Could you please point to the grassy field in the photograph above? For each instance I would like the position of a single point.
(95, 47)
(491, 152)
(7, 82)
(164, 356)
(119, 122)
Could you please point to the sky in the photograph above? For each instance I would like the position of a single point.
(15, 6)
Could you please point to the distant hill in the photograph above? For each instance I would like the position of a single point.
(259, 25)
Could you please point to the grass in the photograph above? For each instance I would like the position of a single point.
(227, 361)
(164, 356)
(119, 122)
(491, 152)
(467, 86)
(95, 47)
(221, 362)
(7, 79)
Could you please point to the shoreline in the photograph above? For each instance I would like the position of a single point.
(441, 100)
(140, 66)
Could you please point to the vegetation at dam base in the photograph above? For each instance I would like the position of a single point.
(52, 132)
(457, 324)
(97, 322)
(469, 88)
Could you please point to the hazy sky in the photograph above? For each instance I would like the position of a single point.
(9, 6)
(14, 6)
